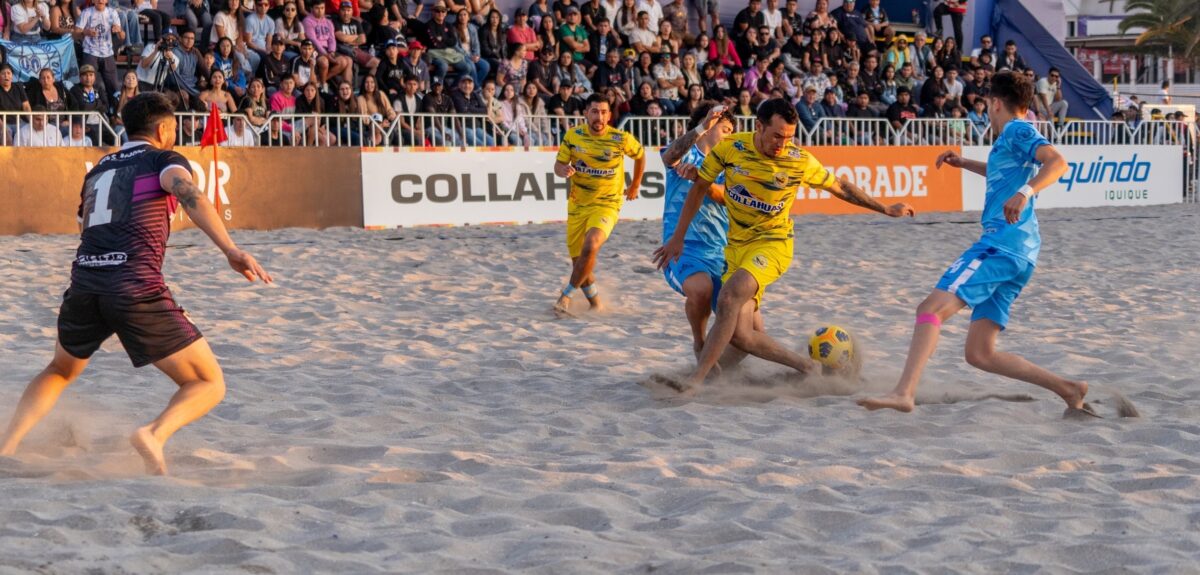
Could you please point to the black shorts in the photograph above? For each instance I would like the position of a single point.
(151, 328)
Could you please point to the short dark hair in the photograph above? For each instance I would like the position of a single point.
(145, 111)
(777, 107)
(4, 66)
(594, 99)
(1013, 90)
(702, 110)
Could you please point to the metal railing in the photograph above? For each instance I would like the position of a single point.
(57, 129)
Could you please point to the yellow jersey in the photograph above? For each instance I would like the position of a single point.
(599, 163)
(759, 190)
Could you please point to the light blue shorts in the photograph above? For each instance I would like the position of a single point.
(988, 280)
(680, 270)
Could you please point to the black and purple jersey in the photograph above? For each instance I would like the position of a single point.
(126, 219)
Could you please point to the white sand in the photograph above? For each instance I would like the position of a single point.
(403, 401)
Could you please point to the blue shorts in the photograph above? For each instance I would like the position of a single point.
(988, 280)
(680, 270)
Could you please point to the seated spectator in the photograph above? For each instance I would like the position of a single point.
(234, 65)
(468, 101)
(602, 42)
(38, 132)
(350, 37)
(283, 101)
(216, 94)
(86, 97)
(643, 97)
(670, 82)
(521, 33)
(129, 89)
(350, 125)
(1010, 59)
(978, 116)
(747, 19)
(275, 64)
(610, 73)
(695, 96)
(414, 64)
(533, 108)
(830, 107)
(722, 50)
(389, 75)
(259, 30)
(78, 138)
(188, 68)
(853, 25)
(541, 73)
(493, 43)
(319, 33)
(255, 106)
(409, 102)
(742, 106)
(714, 82)
(467, 40)
(573, 36)
(440, 131)
(953, 87)
(289, 28)
(809, 109)
(46, 92)
(903, 110)
(860, 107)
(936, 108)
(565, 103)
(642, 38)
(567, 71)
(547, 33)
(985, 47)
(239, 134)
(1049, 98)
(932, 86)
(372, 102)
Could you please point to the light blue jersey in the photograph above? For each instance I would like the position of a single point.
(1010, 165)
(709, 232)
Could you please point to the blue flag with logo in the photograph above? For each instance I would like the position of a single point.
(27, 60)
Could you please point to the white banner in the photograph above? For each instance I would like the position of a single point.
(1098, 176)
(416, 188)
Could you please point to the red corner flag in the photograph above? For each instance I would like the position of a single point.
(214, 134)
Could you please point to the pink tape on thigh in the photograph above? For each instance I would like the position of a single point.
(929, 318)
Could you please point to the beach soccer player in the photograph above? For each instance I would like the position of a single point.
(989, 276)
(117, 285)
(592, 155)
(696, 275)
(764, 170)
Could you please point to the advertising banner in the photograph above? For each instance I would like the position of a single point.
(261, 188)
(414, 187)
(1098, 176)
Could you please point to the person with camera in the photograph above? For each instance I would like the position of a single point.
(159, 62)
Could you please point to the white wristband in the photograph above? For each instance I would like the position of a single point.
(699, 130)
(1026, 191)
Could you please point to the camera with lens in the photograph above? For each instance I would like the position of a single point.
(168, 43)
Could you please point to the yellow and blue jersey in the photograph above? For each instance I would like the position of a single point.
(759, 191)
(599, 162)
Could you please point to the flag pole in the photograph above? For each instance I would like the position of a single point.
(216, 170)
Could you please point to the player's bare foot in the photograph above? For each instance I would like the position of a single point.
(1075, 397)
(562, 307)
(596, 305)
(901, 403)
(151, 450)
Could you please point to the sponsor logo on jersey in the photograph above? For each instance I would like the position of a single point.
(739, 170)
(582, 168)
(739, 146)
(795, 153)
(740, 195)
(102, 260)
(760, 261)
(781, 179)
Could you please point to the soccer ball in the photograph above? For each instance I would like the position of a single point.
(832, 346)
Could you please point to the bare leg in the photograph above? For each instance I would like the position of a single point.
(322, 70)
(924, 341)
(981, 353)
(201, 388)
(40, 396)
(757, 343)
(698, 289)
(582, 267)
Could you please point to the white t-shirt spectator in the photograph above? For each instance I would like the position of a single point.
(653, 8)
(772, 20)
(248, 138)
(228, 23)
(1046, 89)
(670, 74)
(85, 142)
(20, 15)
(641, 36)
(102, 22)
(47, 137)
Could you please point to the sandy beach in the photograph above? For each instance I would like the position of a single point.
(404, 401)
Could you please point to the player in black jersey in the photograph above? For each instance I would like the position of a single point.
(117, 285)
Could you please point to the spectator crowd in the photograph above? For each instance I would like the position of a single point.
(515, 78)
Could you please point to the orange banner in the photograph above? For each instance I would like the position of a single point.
(889, 175)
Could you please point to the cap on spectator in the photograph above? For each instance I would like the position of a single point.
(170, 31)
(346, 4)
(415, 45)
(810, 88)
(521, 12)
(572, 9)
(435, 81)
(308, 42)
(275, 39)
(630, 53)
(467, 78)
(439, 8)
(87, 69)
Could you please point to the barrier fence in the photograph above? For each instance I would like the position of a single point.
(64, 129)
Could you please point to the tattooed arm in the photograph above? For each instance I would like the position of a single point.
(179, 183)
(683, 143)
(850, 193)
